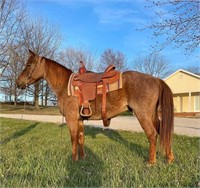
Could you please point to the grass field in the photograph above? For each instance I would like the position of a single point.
(53, 110)
(28, 109)
(37, 154)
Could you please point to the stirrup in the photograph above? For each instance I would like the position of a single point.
(85, 115)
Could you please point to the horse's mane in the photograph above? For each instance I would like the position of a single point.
(57, 73)
(56, 64)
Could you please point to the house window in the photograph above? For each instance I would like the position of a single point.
(197, 103)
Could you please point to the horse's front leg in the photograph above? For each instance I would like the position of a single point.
(71, 110)
(73, 129)
(81, 138)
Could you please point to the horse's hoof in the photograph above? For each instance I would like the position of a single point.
(74, 158)
(149, 163)
(170, 161)
(83, 157)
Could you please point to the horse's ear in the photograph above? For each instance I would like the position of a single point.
(31, 53)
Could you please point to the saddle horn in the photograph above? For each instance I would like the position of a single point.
(82, 69)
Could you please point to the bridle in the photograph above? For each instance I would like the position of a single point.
(39, 61)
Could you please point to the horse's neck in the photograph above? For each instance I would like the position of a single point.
(56, 76)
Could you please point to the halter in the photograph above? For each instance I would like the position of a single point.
(39, 61)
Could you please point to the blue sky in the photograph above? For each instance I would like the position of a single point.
(103, 24)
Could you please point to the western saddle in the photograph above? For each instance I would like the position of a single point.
(91, 84)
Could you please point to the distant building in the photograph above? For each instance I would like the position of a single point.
(186, 90)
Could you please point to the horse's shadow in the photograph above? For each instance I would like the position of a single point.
(84, 173)
(19, 133)
(139, 150)
(91, 168)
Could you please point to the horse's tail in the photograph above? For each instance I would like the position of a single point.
(166, 118)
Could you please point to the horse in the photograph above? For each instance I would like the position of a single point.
(148, 97)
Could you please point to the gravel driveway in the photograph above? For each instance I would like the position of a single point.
(183, 126)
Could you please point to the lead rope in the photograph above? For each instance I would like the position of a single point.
(61, 130)
(24, 103)
(62, 127)
(62, 143)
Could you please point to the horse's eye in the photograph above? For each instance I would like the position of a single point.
(28, 65)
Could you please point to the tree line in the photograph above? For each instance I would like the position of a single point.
(20, 32)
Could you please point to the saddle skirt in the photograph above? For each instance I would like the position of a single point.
(73, 90)
(87, 85)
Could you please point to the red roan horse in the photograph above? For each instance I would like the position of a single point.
(149, 98)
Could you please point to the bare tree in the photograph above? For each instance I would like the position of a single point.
(154, 64)
(71, 58)
(18, 32)
(12, 14)
(111, 57)
(178, 21)
(41, 37)
(44, 39)
(15, 66)
(194, 69)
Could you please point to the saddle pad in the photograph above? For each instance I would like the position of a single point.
(72, 90)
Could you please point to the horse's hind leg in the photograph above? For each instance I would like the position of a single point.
(152, 137)
(81, 139)
(148, 126)
(152, 147)
(169, 155)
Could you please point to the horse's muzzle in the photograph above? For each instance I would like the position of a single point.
(21, 85)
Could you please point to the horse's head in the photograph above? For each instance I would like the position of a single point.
(33, 71)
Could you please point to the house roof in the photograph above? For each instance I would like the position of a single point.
(184, 71)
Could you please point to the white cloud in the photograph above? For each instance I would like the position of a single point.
(112, 15)
(114, 12)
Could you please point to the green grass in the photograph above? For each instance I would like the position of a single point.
(37, 154)
(29, 109)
